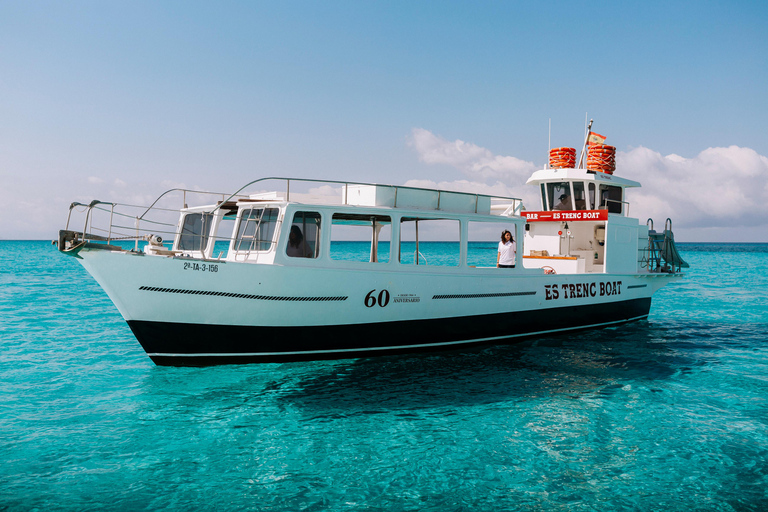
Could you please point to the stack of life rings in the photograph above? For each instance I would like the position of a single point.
(601, 158)
(562, 158)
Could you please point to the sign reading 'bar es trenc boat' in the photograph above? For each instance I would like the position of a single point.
(566, 215)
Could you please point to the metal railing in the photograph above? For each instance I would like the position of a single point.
(661, 255)
(516, 203)
(112, 221)
(623, 211)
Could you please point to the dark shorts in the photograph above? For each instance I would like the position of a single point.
(506, 266)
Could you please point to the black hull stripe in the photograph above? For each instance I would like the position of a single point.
(182, 344)
(241, 295)
(398, 347)
(483, 295)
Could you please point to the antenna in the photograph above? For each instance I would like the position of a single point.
(588, 131)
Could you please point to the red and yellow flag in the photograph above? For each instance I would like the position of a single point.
(595, 138)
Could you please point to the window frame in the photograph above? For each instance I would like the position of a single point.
(317, 235)
(417, 253)
(207, 221)
(242, 236)
(367, 221)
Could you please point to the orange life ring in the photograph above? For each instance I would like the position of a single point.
(562, 158)
(602, 158)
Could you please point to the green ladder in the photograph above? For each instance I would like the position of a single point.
(661, 247)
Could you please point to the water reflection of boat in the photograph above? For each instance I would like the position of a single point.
(284, 288)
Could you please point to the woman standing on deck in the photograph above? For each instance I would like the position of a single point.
(507, 251)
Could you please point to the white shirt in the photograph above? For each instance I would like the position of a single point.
(507, 252)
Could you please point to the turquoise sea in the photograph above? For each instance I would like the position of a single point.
(666, 414)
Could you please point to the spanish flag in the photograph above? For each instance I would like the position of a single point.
(595, 138)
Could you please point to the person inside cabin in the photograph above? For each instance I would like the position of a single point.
(296, 247)
(507, 251)
(565, 203)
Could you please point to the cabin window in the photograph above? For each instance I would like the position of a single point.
(194, 231)
(579, 199)
(304, 236)
(610, 198)
(430, 242)
(559, 196)
(544, 197)
(256, 229)
(592, 203)
(356, 237)
(223, 234)
(483, 241)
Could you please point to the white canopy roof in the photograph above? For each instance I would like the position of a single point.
(550, 175)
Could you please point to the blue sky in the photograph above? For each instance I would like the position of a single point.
(111, 100)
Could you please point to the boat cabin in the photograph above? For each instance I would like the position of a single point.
(582, 227)
(583, 224)
(359, 225)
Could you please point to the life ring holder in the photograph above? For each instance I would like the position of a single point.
(548, 270)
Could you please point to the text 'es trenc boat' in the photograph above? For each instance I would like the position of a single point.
(355, 270)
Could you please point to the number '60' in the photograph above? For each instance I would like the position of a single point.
(382, 299)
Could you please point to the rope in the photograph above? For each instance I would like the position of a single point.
(601, 158)
(562, 158)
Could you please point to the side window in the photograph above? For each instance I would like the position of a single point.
(224, 234)
(194, 231)
(360, 237)
(592, 204)
(483, 242)
(304, 236)
(544, 198)
(256, 229)
(610, 198)
(429, 242)
(579, 199)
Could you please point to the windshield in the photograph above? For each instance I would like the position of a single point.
(194, 231)
(256, 229)
(559, 196)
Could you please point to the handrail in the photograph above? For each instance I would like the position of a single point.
(626, 213)
(346, 184)
(184, 190)
(112, 218)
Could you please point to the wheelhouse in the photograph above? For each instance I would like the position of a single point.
(581, 189)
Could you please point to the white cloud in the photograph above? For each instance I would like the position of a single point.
(327, 191)
(475, 161)
(169, 184)
(718, 187)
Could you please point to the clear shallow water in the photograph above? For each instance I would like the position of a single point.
(667, 414)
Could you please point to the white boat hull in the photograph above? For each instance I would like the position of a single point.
(192, 313)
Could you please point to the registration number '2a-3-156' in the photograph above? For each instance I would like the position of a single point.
(200, 267)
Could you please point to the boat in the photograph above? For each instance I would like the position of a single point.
(287, 269)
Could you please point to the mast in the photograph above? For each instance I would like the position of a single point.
(586, 139)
